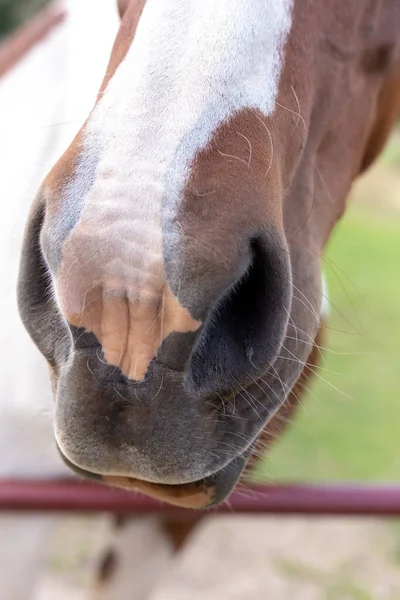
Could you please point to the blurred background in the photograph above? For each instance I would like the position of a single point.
(13, 13)
(346, 430)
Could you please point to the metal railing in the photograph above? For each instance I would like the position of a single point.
(80, 496)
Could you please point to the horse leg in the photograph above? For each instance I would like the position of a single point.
(138, 555)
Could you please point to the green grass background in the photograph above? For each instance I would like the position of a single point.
(352, 432)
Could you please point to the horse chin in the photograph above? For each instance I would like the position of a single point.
(200, 494)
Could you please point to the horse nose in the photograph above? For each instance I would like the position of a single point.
(217, 317)
(245, 324)
(216, 326)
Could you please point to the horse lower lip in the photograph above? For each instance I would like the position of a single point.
(199, 494)
(196, 495)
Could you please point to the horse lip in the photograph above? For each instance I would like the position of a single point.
(201, 494)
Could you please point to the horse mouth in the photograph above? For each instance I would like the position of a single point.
(200, 494)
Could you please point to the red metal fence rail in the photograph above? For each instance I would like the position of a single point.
(77, 496)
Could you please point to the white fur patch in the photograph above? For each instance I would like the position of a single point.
(325, 304)
(192, 64)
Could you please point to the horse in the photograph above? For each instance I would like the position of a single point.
(171, 266)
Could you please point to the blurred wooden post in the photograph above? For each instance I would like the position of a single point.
(14, 47)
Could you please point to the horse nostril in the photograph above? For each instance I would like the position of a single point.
(246, 327)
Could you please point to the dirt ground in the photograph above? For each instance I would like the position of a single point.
(245, 558)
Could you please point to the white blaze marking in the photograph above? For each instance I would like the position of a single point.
(192, 64)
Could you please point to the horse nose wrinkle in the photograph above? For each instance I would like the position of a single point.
(130, 327)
